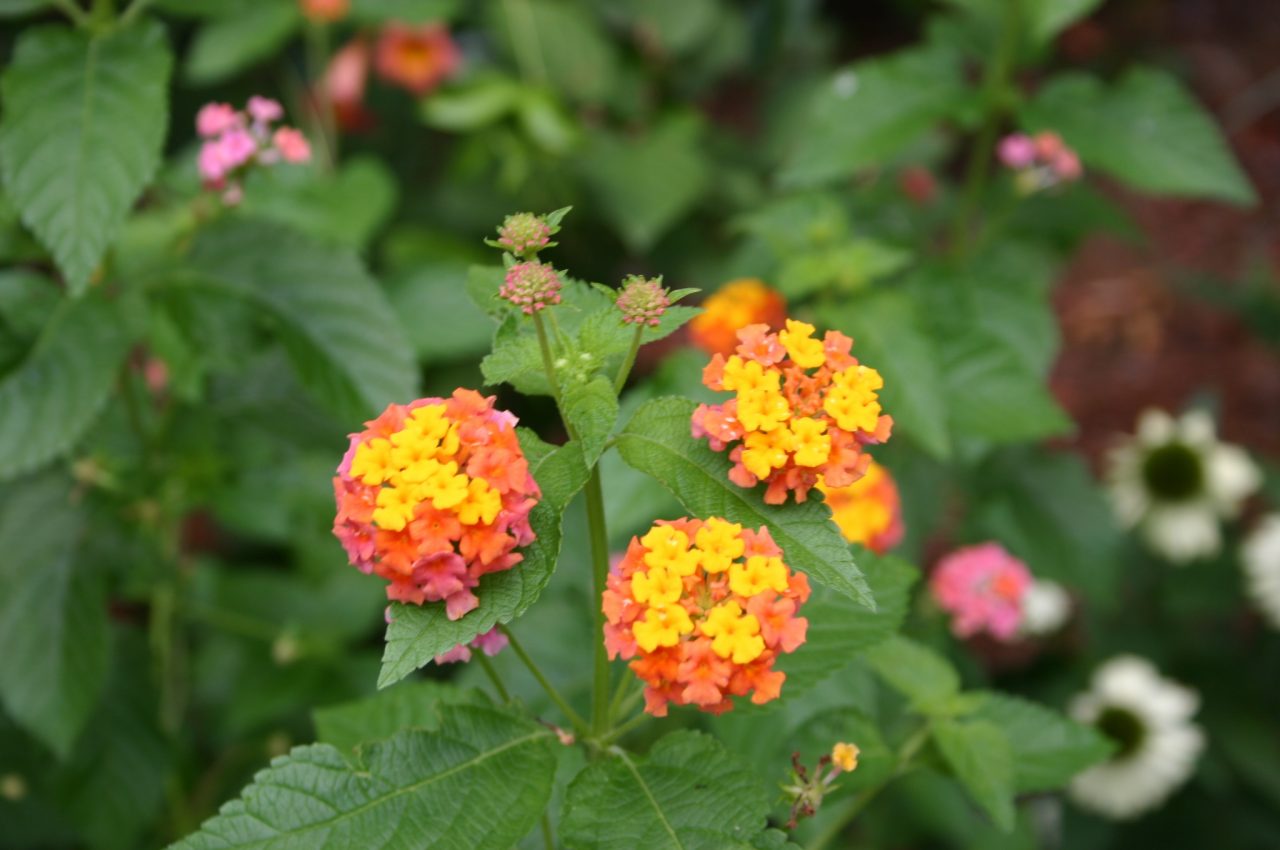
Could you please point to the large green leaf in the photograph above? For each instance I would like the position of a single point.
(422, 296)
(340, 332)
(54, 395)
(689, 793)
(646, 184)
(592, 409)
(979, 755)
(345, 207)
(408, 705)
(418, 633)
(53, 615)
(839, 628)
(1144, 129)
(889, 336)
(915, 671)
(84, 121)
(1048, 749)
(480, 781)
(658, 441)
(866, 113)
(233, 41)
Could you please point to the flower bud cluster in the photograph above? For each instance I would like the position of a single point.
(1040, 161)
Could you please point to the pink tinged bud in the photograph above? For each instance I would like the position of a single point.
(213, 119)
(642, 301)
(531, 286)
(264, 110)
(1017, 151)
(292, 145)
(524, 233)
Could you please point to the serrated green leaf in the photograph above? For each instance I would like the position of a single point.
(55, 394)
(1048, 748)
(334, 320)
(658, 442)
(480, 781)
(1146, 130)
(418, 633)
(591, 408)
(689, 793)
(346, 207)
(866, 113)
(605, 337)
(979, 755)
(915, 671)
(408, 705)
(840, 628)
(84, 122)
(889, 336)
(53, 616)
(231, 42)
(992, 393)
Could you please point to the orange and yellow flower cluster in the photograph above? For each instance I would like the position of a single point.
(433, 495)
(803, 409)
(741, 302)
(868, 511)
(703, 608)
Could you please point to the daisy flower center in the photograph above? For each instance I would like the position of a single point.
(1124, 727)
(1173, 472)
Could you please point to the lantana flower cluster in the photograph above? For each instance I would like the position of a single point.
(433, 495)
(703, 608)
(868, 511)
(1040, 161)
(741, 302)
(982, 588)
(803, 410)
(234, 140)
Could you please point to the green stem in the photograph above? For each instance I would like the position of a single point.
(549, 366)
(487, 666)
(547, 838)
(623, 372)
(619, 694)
(136, 8)
(317, 54)
(622, 729)
(994, 85)
(78, 16)
(579, 724)
(599, 539)
(855, 807)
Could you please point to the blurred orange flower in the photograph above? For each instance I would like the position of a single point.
(416, 58)
(868, 511)
(741, 302)
(325, 11)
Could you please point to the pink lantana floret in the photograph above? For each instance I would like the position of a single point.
(292, 145)
(981, 587)
(213, 119)
(264, 110)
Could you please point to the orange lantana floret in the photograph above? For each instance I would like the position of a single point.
(868, 511)
(803, 408)
(434, 494)
(702, 609)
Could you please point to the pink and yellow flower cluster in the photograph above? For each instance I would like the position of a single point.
(233, 140)
(802, 411)
(703, 608)
(433, 495)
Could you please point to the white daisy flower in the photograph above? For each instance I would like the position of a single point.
(1149, 720)
(1175, 482)
(1046, 607)
(1261, 558)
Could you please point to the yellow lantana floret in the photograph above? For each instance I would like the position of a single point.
(481, 506)
(748, 375)
(852, 399)
(446, 489)
(845, 756)
(762, 409)
(805, 351)
(720, 544)
(812, 443)
(669, 547)
(372, 463)
(758, 574)
(657, 586)
(662, 627)
(733, 634)
(764, 452)
(395, 508)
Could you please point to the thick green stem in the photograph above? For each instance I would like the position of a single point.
(579, 725)
(857, 804)
(995, 82)
(599, 539)
(548, 839)
(629, 362)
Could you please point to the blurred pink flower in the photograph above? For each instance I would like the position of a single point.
(344, 83)
(264, 110)
(490, 643)
(215, 118)
(293, 146)
(982, 588)
(1017, 150)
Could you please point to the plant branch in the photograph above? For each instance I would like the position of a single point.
(599, 538)
(487, 666)
(623, 372)
(579, 725)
